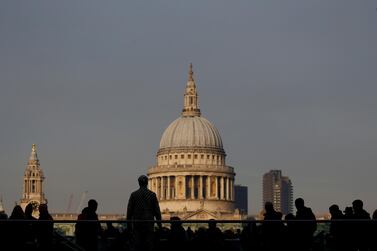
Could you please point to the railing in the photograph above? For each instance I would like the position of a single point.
(234, 235)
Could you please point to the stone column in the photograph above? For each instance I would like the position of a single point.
(227, 188)
(162, 188)
(158, 180)
(230, 189)
(175, 187)
(168, 188)
(154, 184)
(208, 190)
(200, 189)
(192, 182)
(221, 188)
(184, 187)
(216, 188)
(181, 187)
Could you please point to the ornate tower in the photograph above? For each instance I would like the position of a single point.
(33, 180)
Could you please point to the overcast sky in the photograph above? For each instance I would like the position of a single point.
(290, 85)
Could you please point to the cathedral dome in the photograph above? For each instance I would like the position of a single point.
(190, 131)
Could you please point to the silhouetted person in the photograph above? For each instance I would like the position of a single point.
(190, 233)
(80, 227)
(200, 241)
(348, 213)
(291, 231)
(45, 228)
(177, 236)
(3, 226)
(349, 242)
(112, 237)
(17, 229)
(337, 227)
(361, 230)
(374, 232)
(3, 216)
(249, 237)
(304, 237)
(31, 228)
(110, 231)
(88, 229)
(143, 205)
(215, 237)
(272, 228)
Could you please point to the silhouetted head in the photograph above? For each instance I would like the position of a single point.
(176, 221)
(3, 216)
(348, 211)
(268, 206)
(299, 203)
(211, 223)
(334, 209)
(92, 205)
(43, 209)
(357, 205)
(29, 210)
(17, 213)
(143, 181)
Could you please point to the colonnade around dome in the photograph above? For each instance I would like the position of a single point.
(192, 186)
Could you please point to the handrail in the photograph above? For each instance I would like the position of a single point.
(189, 221)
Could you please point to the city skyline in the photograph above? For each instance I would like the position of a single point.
(290, 86)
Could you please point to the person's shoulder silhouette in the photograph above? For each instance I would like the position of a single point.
(143, 203)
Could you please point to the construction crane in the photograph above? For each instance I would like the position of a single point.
(69, 207)
(83, 197)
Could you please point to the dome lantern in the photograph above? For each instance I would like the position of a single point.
(190, 102)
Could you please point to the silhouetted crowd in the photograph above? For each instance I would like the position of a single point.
(348, 230)
(25, 232)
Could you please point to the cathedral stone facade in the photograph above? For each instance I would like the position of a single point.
(32, 191)
(191, 178)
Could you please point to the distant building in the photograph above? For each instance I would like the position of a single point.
(191, 178)
(278, 190)
(32, 185)
(241, 201)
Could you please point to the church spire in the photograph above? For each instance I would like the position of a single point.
(191, 74)
(190, 102)
(33, 159)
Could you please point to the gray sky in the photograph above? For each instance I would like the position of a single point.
(290, 85)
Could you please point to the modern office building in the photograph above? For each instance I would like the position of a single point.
(278, 190)
(241, 198)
